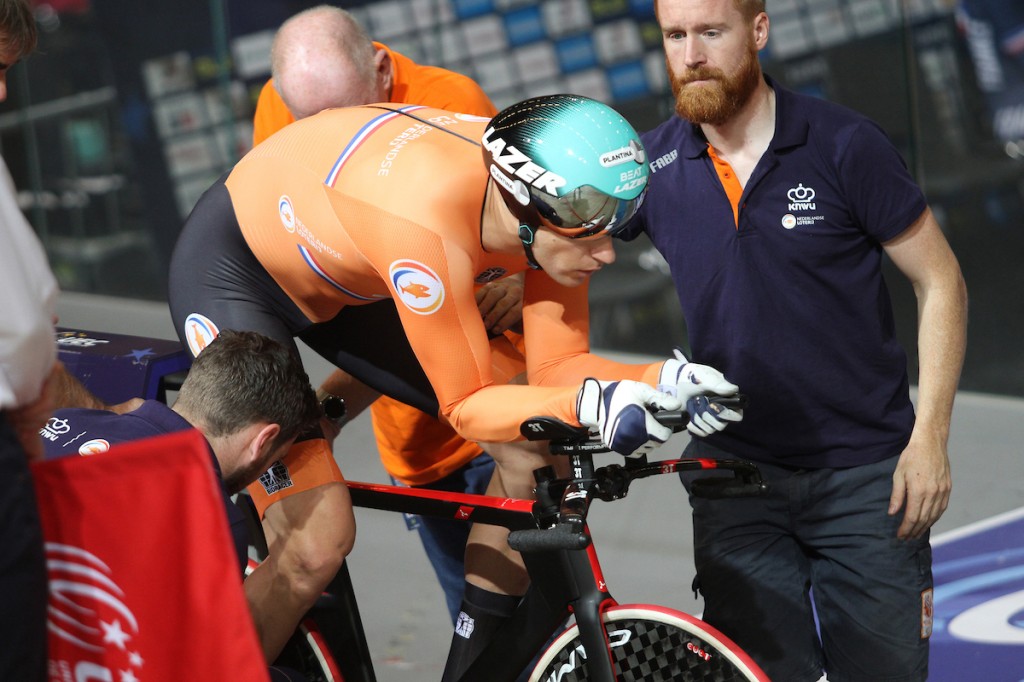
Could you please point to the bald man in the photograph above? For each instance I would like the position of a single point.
(322, 58)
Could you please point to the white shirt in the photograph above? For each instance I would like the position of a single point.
(28, 293)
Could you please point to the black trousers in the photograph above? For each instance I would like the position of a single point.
(23, 590)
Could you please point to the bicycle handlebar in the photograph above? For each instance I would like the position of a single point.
(561, 536)
(612, 482)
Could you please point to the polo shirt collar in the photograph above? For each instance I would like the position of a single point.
(791, 125)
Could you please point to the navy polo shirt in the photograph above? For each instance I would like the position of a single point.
(70, 429)
(791, 304)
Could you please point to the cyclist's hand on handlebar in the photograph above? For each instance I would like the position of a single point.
(621, 412)
(708, 417)
(697, 385)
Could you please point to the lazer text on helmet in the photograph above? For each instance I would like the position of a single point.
(518, 164)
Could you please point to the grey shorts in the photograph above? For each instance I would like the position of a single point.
(811, 577)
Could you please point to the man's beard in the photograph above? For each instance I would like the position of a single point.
(719, 98)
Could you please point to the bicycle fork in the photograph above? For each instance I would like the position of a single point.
(588, 608)
(583, 572)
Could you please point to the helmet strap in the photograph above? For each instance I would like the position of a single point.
(526, 235)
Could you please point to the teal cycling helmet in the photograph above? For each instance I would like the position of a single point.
(566, 163)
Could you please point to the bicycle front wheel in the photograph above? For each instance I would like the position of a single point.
(651, 644)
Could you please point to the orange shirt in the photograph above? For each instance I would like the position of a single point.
(411, 83)
(354, 205)
(414, 448)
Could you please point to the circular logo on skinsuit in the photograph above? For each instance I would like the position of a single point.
(94, 447)
(199, 332)
(789, 221)
(417, 286)
(287, 212)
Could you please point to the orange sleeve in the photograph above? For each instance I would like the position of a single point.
(557, 320)
(271, 114)
(453, 349)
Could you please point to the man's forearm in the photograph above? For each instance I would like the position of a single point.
(942, 343)
(357, 395)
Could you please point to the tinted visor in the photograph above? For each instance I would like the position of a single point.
(584, 212)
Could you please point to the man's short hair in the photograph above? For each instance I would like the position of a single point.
(18, 34)
(244, 377)
(750, 8)
(333, 30)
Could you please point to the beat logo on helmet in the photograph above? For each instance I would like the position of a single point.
(520, 170)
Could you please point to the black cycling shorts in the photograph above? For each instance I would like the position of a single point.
(214, 274)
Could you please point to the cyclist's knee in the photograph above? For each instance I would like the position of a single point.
(515, 463)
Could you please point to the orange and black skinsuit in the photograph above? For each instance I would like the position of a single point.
(358, 231)
(415, 449)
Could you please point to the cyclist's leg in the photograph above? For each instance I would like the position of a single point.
(444, 540)
(753, 573)
(496, 577)
(421, 451)
(872, 592)
(490, 563)
(369, 343)
(383, 359)
(216, 283)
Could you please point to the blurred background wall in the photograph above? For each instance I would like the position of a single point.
(130, 109)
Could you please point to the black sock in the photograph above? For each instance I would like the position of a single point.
(482, 613)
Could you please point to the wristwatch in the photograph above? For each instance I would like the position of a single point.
(333, 407)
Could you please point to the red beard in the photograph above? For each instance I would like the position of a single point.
(719, 98)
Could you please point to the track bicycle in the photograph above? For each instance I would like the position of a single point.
(604, 641)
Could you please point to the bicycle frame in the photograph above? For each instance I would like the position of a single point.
(563, 582)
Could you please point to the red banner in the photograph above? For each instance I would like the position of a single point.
(144, 585)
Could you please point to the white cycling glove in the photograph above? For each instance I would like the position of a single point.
(618, 410)
(696, 386)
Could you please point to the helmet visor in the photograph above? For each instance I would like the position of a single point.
(584, 212)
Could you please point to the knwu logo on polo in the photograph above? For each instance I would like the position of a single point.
(800, 199)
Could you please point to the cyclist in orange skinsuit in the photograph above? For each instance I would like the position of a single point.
(321, 58)
(382, 206)
(365, 231)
